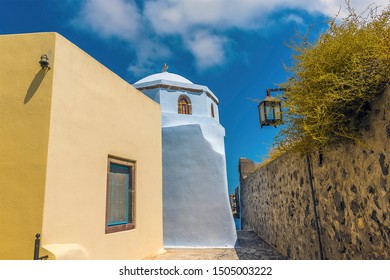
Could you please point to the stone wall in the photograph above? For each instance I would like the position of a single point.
(348, 186)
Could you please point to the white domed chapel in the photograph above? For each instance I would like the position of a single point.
(196, 208)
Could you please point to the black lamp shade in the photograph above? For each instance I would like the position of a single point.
(44, 62)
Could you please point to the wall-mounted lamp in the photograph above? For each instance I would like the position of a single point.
(270, 109)
(44, 62)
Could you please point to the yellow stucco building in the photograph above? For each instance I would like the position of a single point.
(80, 156)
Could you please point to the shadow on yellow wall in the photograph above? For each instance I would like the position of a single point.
(36, 82)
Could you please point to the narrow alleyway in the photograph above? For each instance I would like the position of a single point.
(249, 247)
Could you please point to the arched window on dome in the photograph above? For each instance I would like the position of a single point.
(184, 105)
(212, 110)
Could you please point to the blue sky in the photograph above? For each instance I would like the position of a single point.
(235, 47)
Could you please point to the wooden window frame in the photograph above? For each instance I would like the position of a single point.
(131, 224)
(212, 110)
(186, 101)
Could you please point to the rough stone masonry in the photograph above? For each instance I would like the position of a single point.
(348, 189)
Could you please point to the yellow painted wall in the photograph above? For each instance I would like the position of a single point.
(25, 97)
(95, 114)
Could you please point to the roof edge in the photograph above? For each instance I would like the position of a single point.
(177, 86)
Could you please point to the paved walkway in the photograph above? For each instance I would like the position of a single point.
(249, 247)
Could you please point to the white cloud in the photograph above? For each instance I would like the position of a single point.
(208, 49)
(332, 7)
(292, 18)
(180, 16)
(147, 29)
(114, 18)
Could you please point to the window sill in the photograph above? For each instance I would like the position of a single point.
(118, 228)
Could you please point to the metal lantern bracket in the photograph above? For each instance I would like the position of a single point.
(273, 90)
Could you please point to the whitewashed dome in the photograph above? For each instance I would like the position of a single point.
(164, 76)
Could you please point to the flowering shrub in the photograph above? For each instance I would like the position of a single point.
(334, 80)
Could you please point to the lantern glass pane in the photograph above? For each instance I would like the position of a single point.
(270, 112)
(262, 113)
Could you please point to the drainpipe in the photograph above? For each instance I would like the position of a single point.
(317, 223)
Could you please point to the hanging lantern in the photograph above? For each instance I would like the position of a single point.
(270, 110)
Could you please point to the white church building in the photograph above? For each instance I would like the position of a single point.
(196, 209)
